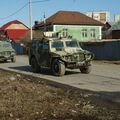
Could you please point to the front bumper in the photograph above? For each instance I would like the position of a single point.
(8, 57)
(75, 65)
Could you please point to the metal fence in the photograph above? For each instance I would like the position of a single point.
(104, 50)
(18, 48)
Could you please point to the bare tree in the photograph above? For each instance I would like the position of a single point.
(37, 34)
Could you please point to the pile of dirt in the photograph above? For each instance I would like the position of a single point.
(25, 98)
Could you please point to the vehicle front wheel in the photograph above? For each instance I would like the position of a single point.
(85, 70)
(13, 59)
(35, 66)
(58, 68)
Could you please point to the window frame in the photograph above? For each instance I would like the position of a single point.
(93, 33)
(84, 33)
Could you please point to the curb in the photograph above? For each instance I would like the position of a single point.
(41, 80)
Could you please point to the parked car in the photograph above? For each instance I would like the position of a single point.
(59, 54)
(6, 51)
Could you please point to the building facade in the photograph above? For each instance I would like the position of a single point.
(113, 31)
(102, 16)
(14, 30)
(117, 18)
(80, 32)
(74, 24)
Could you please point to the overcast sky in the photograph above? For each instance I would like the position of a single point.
(18, 9)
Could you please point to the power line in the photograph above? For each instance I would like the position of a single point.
(14, 13)
(37, 1)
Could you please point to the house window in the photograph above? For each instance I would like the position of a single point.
(84, 33)
(92, 33)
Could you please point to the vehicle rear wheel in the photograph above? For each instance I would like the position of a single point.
(58, 68)
(85, 70)
(35, 66)
(5, 60)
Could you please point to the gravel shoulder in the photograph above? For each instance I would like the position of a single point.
(23, 97)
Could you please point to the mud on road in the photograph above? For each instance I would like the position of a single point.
(24, 97)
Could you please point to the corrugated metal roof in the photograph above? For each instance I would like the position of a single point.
(11, 22)
(70, 18)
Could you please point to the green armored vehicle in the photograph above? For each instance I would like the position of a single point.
(6, 51)
(59, 54)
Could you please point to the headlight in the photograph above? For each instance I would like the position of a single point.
(67, 58)
(88, 56)
(12, 53)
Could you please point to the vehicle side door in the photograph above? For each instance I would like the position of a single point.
(44, 56)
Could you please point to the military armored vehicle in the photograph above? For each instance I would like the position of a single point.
(6, 51)
(59, 54)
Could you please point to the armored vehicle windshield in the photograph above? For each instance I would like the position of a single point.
(71, 44)
(57, 44)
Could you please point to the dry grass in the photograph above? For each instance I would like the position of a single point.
(21, 99)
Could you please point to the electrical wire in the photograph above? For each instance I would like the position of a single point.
(14, 13)
(40, 1)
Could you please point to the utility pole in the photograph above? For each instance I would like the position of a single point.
(30, 19)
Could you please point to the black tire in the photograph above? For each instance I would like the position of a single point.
(35, 66)
(85, 70)
(13, 59)
(5, 61)
(58, 68)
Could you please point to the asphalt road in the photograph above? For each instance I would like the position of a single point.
(104, 77)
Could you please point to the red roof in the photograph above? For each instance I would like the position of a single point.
(69, 18)
(16, 34)
(11, 22)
